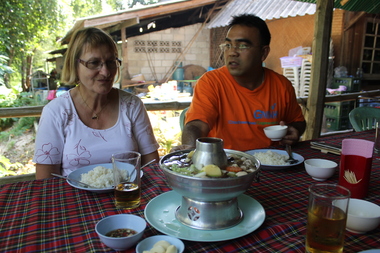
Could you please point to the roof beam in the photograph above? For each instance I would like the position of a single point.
(149, 12)
(127, 23)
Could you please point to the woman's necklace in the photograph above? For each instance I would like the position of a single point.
(95, 114)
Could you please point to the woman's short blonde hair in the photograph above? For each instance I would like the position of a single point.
(89, 37)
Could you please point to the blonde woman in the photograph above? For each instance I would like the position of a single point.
(90, 122)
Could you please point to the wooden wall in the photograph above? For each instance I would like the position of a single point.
(352, 38)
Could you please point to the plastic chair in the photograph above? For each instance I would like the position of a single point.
(364, 118)
(182, 118)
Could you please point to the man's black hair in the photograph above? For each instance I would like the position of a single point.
(251, 20)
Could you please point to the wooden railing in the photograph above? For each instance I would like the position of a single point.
(19, 178)
(35, 111)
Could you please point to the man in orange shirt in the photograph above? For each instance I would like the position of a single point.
(236, 101)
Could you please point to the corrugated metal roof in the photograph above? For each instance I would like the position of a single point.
(369, 6)
(264, 9)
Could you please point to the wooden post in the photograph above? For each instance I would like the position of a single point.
(124, 52)
(320, 58)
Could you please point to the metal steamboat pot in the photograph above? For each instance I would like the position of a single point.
(209, 203)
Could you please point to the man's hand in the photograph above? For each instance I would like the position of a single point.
(191, 132)
(294, 133)
(181, 147)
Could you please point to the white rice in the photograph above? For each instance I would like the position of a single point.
(100, 177)
(272, 158)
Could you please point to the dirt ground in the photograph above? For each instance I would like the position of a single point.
(20, 149)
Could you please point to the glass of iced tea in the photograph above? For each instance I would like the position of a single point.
(127, 182)
(326, 218)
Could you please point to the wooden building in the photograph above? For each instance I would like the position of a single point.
(352, 28)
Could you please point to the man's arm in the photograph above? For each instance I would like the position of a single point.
(191, 132)
(300, 126)
(295, 130)
(194, 130)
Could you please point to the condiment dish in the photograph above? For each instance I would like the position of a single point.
(276, 132)
(362, 216)
(320, 169)
(148, 243)
(120, 221)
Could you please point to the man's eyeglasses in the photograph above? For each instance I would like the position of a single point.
(96, 65)
(240, 48)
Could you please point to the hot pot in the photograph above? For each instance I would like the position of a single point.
(209, 203)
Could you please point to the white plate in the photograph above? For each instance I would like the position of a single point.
(160, 213)
(148, 243)
(370, 251)
(76, 175)
(281, 152)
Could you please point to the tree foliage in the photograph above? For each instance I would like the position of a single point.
(132, 3)
(25, 23)
(4, 69)
(29, 28)
(24, 26)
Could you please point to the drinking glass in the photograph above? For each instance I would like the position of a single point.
(326, 218)
(127, 182)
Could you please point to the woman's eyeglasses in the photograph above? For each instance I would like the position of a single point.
(240, 47)
(96, 65)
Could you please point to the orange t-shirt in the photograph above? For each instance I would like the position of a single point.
(238, 115)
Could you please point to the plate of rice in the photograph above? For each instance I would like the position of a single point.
(99, 176)
(274, 159)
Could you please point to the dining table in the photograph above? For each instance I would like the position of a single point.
(50, 215)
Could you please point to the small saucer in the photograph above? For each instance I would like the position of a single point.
(160, 213)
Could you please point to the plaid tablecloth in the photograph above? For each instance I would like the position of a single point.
(51, 216)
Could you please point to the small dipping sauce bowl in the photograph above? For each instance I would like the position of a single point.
(120, 221)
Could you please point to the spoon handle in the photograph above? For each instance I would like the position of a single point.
(148, 163)
(76, 181)
(290, 153)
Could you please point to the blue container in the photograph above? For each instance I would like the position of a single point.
(180, 87)
(178, 74)
(188, 89)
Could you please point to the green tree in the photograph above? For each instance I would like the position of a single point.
(24, 27)
(143, 2)
(30, 28)
(83, 8)
(116, 5)
(4, 70)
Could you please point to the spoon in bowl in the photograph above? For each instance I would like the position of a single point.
(76, 181)
(143, 166)
(291, 160)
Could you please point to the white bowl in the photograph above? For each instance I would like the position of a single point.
(147, 243)
(362, 216)
(276, 132)
(117, 221)
(320, 169)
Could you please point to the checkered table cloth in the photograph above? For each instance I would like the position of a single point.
(51, 216)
